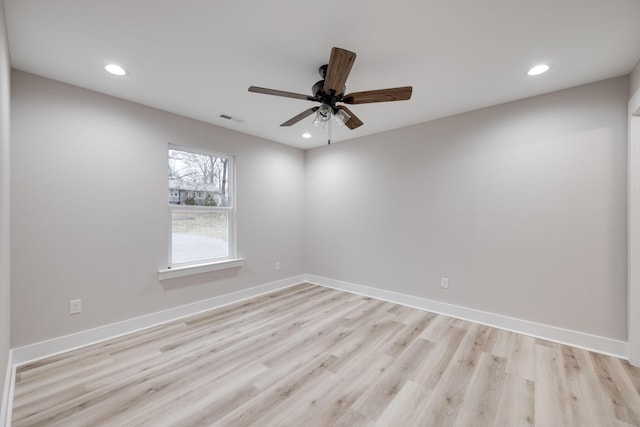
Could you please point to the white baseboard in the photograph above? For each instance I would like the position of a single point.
(29, 353)
(32, 352)
(7, 393)
(582, 340)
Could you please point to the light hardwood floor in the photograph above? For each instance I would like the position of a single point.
(311, 356)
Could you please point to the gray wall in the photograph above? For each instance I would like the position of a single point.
(90, 217)
(522, 206)
(5, 239)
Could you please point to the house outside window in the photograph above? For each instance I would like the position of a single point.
(201, 208)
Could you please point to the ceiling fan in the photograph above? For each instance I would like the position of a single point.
(331, 90)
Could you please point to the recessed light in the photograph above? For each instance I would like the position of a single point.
(306, 135)
(538, 69)
(115, 69)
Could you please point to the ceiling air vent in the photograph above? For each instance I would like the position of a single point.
(233, 119)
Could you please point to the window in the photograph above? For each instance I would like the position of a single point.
(201, 209)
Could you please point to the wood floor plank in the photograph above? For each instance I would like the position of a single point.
(594, 402)
(633, 374)
(483, 395)
(516, 407)
(449, 392)
(406, 406)
(301, 407)
(200, 405)
(335, 406)
(366, 338)
(501, 344)
(613, 379)
(379, 395)
(317, 357)
(351, 418)
(413, 329)
(552, 397)
(437, 362)
(521, 356)
(275, 395)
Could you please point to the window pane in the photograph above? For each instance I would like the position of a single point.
(198, 235)
(198, 179)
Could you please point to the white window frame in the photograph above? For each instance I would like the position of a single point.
(212, 264)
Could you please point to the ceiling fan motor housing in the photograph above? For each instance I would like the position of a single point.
(323, 70)
(318, 89)
(326, 98)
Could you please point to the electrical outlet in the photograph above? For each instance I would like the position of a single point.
(75, 306)
(444, 283)
(277, 266)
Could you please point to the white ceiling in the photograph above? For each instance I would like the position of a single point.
(198, 57)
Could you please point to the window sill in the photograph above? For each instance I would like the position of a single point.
(172, 273)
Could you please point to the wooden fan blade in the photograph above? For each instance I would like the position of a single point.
(296, 119)
(380, 95)
(354, 121)
(281, 93)
(339, 68)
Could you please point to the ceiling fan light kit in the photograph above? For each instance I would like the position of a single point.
(343, 117)
(322, 115)
(331, 90)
